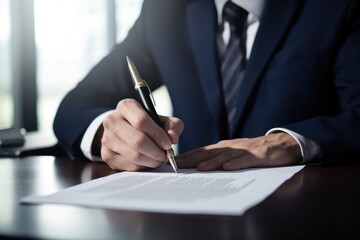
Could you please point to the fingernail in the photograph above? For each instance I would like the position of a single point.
(227, 166)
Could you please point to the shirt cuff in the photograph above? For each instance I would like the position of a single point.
(88, 138)
(310, 150)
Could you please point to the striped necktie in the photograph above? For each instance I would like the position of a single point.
(233, 60)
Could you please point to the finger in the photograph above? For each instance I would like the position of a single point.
(196, 157)
(223, 157)
(116, 134)
(138, 118)
(186, 160)
(117, 162)
(116, 127)
(190, 153)
(242, 162)
(194, 152)
(173, 126)
(129, 157)
(131, 143)
(217, 161)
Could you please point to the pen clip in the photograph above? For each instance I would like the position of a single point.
(143, 83)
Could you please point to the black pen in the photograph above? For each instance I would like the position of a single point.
(147, 100)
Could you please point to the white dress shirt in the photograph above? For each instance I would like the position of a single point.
(309, 149)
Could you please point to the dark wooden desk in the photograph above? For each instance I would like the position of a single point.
(317, 203)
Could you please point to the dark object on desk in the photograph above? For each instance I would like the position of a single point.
(12, 137)
(34, 143)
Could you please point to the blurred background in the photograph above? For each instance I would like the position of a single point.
(48, 46)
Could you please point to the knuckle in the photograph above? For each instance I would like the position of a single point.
(140, 121)
(105, 140)
(106, 156)
(123, 104)
(223, 142)
(179, 124)
(176, 124)
(112, 160)
(158, 136)
(108, 122)
(139, 141)
(228, 155)
(159, 155)
(135, 157)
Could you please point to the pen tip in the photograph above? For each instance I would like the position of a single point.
(128, 60)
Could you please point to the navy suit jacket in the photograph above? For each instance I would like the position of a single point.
(303, 74)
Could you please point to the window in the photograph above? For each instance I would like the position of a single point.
(71, 37)
(126, 14)
(6, 100)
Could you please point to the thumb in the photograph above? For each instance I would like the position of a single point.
(173, 126)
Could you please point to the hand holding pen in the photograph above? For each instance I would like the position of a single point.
(133, 141)
(149, 104)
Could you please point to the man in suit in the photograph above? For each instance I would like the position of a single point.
(298, 101)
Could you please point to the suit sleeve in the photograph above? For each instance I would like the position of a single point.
(339, 134)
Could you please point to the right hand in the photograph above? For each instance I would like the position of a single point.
(132, 141)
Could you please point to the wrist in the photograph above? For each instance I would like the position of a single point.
(289, 144)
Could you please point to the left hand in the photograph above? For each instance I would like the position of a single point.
(276, 149)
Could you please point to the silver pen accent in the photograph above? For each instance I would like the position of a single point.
(148, 102)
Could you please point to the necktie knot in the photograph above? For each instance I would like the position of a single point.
(236, 17)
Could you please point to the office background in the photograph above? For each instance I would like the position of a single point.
(48, 46)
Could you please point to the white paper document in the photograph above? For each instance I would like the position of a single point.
(189, 192)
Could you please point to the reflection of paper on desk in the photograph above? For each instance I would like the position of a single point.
(223, 193)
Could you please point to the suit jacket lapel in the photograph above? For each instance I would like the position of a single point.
(275, 21)
(202, 25)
